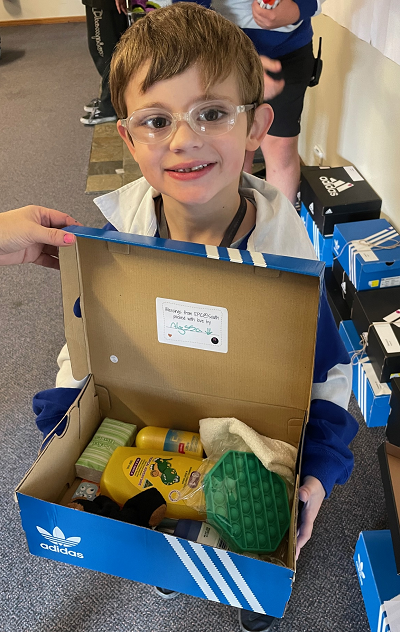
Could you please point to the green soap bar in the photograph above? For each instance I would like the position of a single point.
(246, 503)
(111, 434)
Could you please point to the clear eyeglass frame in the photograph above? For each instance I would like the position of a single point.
(136, 123)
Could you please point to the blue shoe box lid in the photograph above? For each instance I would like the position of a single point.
(373, 397)
(376, 569)
(369, 252)
(322, 245)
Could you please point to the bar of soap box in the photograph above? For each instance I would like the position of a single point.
(110, 435)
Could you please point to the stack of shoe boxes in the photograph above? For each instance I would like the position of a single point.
(367, 268)
(330, 196)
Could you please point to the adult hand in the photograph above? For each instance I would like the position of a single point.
(121, 6)
(312, 494)
(272, 87)
(287, 12)
(31, 235)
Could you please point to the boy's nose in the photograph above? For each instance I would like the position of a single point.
(184, 136)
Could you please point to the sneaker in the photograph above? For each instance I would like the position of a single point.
(165, 593)
(96, 117)
(250, 621)
(93, 105)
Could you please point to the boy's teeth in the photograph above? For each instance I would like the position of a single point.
(192, 169)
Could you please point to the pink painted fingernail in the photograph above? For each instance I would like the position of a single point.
(68, 238)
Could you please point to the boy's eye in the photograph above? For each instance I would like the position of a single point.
(156, 122)
(212, 115)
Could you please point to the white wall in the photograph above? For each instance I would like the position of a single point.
(354, 113)
(39, 9)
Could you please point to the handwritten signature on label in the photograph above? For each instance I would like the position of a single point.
(183, 329)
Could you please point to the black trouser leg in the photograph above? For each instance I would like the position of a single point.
(104, 28)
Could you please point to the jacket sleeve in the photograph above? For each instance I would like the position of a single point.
(331, 428)
(309, 8)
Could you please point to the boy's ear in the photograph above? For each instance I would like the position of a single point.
(263, 117)
(123, 132)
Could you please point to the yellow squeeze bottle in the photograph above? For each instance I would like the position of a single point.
(168, 440)
(132, 470)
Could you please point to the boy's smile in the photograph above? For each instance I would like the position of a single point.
(197, 174)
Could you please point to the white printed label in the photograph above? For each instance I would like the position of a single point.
(208, 535)
(353, 173)
(364, 250)
(393, 316)
(390, 281)
(387, 336)
(379, 388)
(192, 325)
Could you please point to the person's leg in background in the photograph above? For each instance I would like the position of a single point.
(104, 28)
(280, 146)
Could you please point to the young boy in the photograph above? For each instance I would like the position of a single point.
(188, 86)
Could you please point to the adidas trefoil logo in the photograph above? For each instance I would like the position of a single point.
(336, 246)
(59, 543)
(334, 187)
(311, 208)
(360, 566)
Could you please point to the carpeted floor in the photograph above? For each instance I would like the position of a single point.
(46, 77)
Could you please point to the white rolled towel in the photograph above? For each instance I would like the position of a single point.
(220, 434)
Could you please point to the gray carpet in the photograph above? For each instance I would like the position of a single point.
(46, 76)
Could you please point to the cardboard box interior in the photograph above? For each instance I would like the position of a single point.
(264, 380)
(389, 460)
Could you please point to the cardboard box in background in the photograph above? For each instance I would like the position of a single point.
(257, 366)
(370, 312)
(389, 461)
(335, 195)
(322, 245)
(369, 253)
(376, 569)
(372, 396)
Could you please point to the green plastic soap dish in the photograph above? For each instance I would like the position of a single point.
(247, 503)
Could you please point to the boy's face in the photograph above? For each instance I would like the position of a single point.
(185, 149)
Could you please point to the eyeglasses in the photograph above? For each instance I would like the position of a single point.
(212, 118)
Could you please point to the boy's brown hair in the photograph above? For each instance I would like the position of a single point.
(175, 38)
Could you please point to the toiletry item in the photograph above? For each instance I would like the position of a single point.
(110, 435)
(200, 532)
(268, 4)
(131, 470)
(168, 440)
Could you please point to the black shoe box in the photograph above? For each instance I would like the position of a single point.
(334, 195)
(338, 305)
(372, 306)
(393, 424)
(347, 288)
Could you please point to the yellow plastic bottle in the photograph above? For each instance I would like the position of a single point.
(168, 440)
(132, 470)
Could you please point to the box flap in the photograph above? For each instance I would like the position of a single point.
(389, 461)
(263, 377)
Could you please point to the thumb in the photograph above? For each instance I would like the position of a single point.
(304, 493)
(52, 236)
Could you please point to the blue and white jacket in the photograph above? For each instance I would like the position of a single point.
(280, 231)
(273, 43)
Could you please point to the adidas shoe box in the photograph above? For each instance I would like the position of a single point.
(376, 314)
(348, 290)
(379, 582)
(140, 369)
(369, 253)
(322, 245)
(338, 305)
(334, 195)
(372, 396)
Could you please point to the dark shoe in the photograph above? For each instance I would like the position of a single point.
(165, 593)
(93, 105)
(254, 622)
(95, 117)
